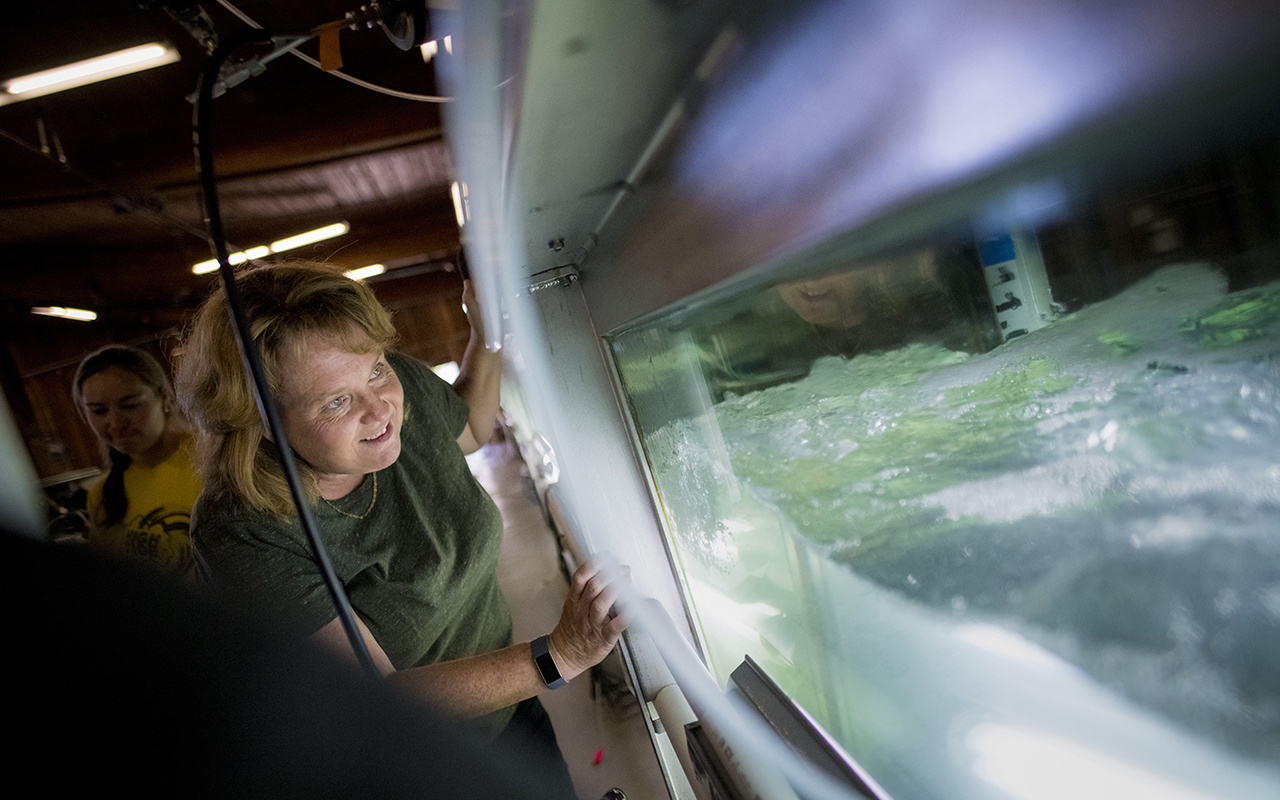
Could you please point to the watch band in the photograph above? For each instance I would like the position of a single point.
(546, 664)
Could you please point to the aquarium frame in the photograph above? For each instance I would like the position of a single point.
(659, 513)
(799, 730)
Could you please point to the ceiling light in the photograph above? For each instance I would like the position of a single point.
(430, 49)
(66, 313)
(251, 253)
(234, 259)
(112, 65)
(458, 190)
(319, 234)
(365, 272)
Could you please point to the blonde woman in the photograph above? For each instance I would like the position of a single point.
(380, 442)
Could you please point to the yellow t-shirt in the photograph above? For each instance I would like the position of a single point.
(156, 528)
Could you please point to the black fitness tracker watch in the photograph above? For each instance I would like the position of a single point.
(546, 664)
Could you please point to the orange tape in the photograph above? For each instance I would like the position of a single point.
(330, 51)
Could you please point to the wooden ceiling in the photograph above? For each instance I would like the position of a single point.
(99, 206)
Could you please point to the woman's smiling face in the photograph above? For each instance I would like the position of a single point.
(833, 301)
(341, 411)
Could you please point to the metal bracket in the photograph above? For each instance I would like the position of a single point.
(552, 278)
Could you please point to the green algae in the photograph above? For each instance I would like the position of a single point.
(1240, 317)
(1010, 390)
(1122, 344)
(893, 457)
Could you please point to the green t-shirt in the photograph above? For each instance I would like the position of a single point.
(421, 568)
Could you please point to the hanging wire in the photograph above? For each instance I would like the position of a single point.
(421, 98)
(248, 348)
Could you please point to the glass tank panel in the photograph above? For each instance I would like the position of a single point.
(998, 505)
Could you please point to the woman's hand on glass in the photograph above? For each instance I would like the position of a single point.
(591, 621)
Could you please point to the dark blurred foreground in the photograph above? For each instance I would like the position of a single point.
(120, 680)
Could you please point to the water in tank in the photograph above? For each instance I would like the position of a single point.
(998, 503)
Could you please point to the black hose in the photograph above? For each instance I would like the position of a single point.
(244, 337)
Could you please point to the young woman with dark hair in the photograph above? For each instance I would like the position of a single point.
(142, 507)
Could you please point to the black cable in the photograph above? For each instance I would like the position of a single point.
(244, 336)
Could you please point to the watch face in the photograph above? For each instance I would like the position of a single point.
(546, 664)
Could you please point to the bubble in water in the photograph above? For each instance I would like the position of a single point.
(1105, 437)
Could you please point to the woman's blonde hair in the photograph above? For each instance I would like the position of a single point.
(283, 303)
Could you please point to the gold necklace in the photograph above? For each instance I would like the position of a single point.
(366, 511)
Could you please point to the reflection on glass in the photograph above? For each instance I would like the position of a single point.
(863, 306)
(956, 527)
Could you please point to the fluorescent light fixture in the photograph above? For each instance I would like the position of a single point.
(310, 237)
(458, 190)
(66, 313)
(111, 65)
(234, 259)
(365, 272)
